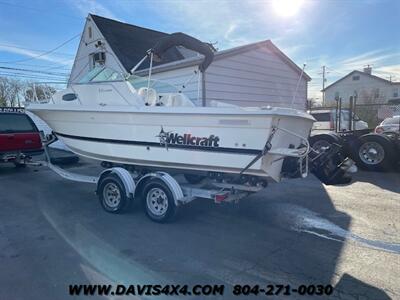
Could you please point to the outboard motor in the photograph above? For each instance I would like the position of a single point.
(330, 166)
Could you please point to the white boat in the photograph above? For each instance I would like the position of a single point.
(142, 122)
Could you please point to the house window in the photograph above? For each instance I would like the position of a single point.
(395, 92)
(337, 95)
(356, 77)
(90, 32)
(376, 93)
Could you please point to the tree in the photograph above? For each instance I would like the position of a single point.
(313, 102)
(13, 91)
(38, 92)
(367, 106)
(10, 90)
(3, 91)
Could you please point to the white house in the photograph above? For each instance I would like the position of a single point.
(257, 74)
(369, 88)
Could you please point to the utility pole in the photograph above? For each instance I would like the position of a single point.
(323, 83)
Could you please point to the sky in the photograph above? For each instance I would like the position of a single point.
(343, 35)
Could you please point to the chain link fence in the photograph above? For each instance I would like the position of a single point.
(371, 113)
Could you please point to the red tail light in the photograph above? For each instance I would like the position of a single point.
(221, 197)
(379, 129)
(332, 125)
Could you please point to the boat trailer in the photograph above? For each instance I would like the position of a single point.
(162, 194)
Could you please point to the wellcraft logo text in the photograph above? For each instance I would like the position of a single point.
(169, 138)
(188, 139)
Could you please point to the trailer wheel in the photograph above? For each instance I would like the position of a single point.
(317, 142)
(158, 201)
(375, 152)
(112, 194)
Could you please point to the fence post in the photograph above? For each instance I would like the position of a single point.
(340, 115)
(351, 113)
(354, 108)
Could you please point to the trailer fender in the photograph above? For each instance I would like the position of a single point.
(172, 184)
(125, 177)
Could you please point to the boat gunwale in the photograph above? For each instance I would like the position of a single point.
(222, 111)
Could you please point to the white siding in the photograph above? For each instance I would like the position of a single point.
(255, 78)
(365, 87)
(87, 47)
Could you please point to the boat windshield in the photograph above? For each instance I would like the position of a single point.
(98, 74)
(160, 86)
(101, 74)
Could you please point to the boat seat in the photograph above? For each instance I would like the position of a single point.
(149, 96)
(178, 100)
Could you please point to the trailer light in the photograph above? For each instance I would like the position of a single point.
(221, 197)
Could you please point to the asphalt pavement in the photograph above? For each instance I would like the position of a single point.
(53, 233)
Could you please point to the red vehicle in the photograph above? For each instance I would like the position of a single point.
(19, 137)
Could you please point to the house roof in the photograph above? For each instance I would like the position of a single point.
(130, 42)
(363, 73)
(191, 61)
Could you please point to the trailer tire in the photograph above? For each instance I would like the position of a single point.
(323, 140)
(112, 194)
(375, 152)
(159, 202)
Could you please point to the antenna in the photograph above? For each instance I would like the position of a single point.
(297, 85)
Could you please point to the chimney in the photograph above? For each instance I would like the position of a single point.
(368, 69)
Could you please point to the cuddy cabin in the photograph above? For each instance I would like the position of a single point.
(106, 87)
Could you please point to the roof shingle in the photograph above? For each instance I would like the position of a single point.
(130, 42)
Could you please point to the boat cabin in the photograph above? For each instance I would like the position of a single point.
(104, 86)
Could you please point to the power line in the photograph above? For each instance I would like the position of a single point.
(340, 73)
(79, 58)
(34, 50)
(59, 68)
(37, 66)
(52, 82)
(35, 71)
(21, 75)
(37, 75)
(44, 53)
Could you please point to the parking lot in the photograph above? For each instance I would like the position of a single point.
(53, 233)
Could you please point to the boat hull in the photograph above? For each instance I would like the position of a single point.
(220, 142)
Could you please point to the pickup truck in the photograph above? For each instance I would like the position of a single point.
(19, 137)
